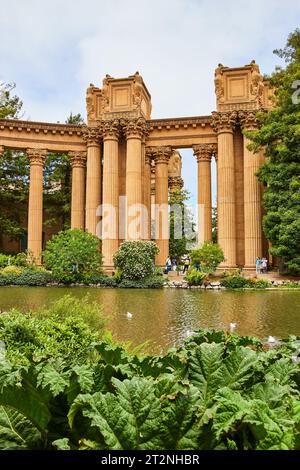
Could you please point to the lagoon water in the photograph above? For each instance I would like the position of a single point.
(163, 316)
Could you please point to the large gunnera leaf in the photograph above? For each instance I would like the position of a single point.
(16, 431)
(129, 419)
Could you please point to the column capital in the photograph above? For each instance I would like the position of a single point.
(37, 156)
(175, 183)
(91, 135)
(111, 129)
(78, 159)
(248, 119)
(135, 128)
(224, 121)
(162, 153)
(2, 148)
(204, 152)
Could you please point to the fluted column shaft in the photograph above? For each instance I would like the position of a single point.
(134, 130)
(110, 235)
(204, 153)
(147, 193)
(224, 125)
(162, 235)
(252, 196)
(35, 204)
(78, 162)
(93, 179)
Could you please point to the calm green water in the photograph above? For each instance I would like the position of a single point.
(164, 316)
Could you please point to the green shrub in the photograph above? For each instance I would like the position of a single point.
(150, 282)
(234, 282)
(99, 279)
(71, 254)
(14, 276)
(136, 259)
(194, 277)
(258, 283)
(64, 330)
(17, 260)
(209, 255)
(118, 276)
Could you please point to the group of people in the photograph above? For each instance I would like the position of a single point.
(171, 264)
(261, 265)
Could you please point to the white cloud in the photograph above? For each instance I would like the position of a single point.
(53, 50)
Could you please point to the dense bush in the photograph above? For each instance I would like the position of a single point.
(240, 282)
(99, 279)
(150, 282)
(136, 259)
(17, 260)
(60, 331)
(15, 276)
(234, 395)
(234, 282)
(209, 255)
(195, 278)
(71, 254)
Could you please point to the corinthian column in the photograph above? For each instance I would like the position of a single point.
(203, 153)
(35, 205)
(135, 130)
(110, 222)
(162, 232)
(78, 162)
(175, 183)
(92, 136)
(224, 123)
(252, 195)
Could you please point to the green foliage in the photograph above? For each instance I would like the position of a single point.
(195, 277)
(214, 225)
(10, 106)
(99, 279)
(150, 282)
(240, 282)
(71, 254)
(209, 255)
(136, 259)
(180, 219)
(18, 276)
(217, 391)
(61, 332)
(279, 136)
(234, 282)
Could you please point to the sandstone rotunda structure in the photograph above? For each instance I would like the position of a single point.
(123, 160)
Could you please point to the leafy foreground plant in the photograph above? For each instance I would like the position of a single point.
(219, 391)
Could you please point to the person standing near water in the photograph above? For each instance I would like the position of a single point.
(258, 265)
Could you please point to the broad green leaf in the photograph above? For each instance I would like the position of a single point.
(16, 431)
(205, 369)
(131, 419)
(49, 377)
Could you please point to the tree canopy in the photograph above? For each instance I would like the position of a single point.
(279, 136)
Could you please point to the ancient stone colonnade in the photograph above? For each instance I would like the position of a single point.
(123, 157)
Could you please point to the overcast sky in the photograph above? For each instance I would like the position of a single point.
(52, 50)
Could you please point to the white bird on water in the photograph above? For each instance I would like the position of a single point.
(232, 327)
(271, 340)
(129, 315)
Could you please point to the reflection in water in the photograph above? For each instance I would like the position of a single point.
(164, 316)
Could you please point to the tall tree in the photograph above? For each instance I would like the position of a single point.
(279, 136)
(182, 227)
